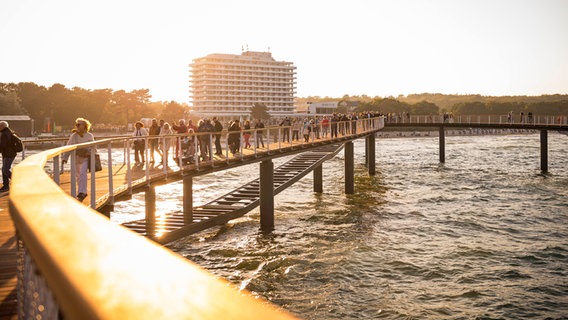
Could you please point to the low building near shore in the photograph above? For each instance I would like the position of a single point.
(23, 125)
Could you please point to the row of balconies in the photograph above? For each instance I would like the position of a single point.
(235, 75)
(243, 103)
(241, 97)
(241, 79)
(239, 90)
(241, 70)
(240, 108)
(243, 64)
(225, 84)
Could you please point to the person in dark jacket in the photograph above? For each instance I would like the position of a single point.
(8, 155)
(218, 129)
(234, 139)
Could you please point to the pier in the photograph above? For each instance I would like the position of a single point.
(91, 277)
(76, 281)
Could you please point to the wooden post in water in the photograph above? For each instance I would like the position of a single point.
(267, 195)
(349, 168)
(544, 150)
(187, 199)
(318, 179)
(442, 144)
(367, 142)
(371, 154)
(150, 197)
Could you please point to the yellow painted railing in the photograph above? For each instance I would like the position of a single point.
(73, 261)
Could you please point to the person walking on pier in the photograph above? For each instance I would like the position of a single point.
(234, 138)
(179, 129)
(334, 120)
(218, 129)
(8, 154)
(205, 128)
(165, 142)
(259, 133)
(80, 135)
(246, 134)
(140, 143)
(296, 128)
(325, 126)
(154, 132)
(286, 130)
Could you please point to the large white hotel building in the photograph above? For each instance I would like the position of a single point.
(227, 85)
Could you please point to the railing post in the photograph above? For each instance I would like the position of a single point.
(267, 140)
(128, 169)
(279, 138)
(349, 168)
(56, 170)
(318, 179)
(150, 198)
(544, 150)
(187, 199)
(146, 153)
(93, 199)
(73, 174)
(267, 195)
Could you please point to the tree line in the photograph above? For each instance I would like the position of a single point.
(432, 104)
(60, 106)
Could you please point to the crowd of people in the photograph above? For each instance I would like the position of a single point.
(160, 138)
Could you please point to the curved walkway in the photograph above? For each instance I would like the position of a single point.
(234, 204)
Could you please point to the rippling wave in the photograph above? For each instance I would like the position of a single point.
(483, 236)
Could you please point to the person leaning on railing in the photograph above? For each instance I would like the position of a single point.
(80, 135)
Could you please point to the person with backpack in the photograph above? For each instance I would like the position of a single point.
(8, 154)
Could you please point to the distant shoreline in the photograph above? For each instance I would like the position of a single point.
(451, 133)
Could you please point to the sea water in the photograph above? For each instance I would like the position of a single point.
(482, 236)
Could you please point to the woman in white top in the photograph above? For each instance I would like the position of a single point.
(80, 134)
(166, 142)
(139, 144)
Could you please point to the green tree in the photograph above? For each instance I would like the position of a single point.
(172, 111)
(470, 108)
(259, 111)
(32, 100)
(10, 104)
(424, 108)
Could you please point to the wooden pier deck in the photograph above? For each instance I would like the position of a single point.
(8, 265)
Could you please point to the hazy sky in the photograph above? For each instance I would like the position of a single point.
(490, 47)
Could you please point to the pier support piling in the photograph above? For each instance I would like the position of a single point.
(349, 168)
(367, 142)
(544, 150)
(187, 199)
(267, 195)
(371, 154)
(318, 179)
(150, 199)
(442, 139)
